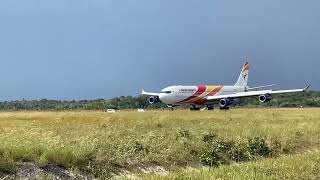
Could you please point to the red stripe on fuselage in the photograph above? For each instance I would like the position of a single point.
(212, 93)
(200, 102)
(201, 90)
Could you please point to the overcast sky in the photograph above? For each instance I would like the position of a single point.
(77, 49)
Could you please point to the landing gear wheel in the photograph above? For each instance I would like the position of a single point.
(225, 108)
(210, 108)
(194, 108)
(170, 106)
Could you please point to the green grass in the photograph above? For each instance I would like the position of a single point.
(101, 144)
(302, 166)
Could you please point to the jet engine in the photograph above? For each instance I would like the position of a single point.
(154, 99)
(225, 102)
(265, 98)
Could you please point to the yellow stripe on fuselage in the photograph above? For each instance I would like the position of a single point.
(210, 89)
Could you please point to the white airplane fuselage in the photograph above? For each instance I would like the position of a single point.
(195, 95)
(207, 95)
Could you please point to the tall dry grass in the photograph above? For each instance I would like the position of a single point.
(100, 143)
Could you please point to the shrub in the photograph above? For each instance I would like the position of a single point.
(222, 152)
(258, 146)
(239, 153)
(61, 157)
(210, 158)
(140, 148)
(8, 167)
(209, 138)
(276, 147)
(183, 134)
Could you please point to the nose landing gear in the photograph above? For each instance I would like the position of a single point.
(170, 106)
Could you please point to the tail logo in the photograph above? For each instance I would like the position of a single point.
(245, 70)
(244, 74)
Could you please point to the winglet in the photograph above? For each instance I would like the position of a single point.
(306, 88)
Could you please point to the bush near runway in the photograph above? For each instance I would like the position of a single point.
(309, 99)
(97, 144)
(302, 166)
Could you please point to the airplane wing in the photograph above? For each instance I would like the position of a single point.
(255, 93)
(149, 93)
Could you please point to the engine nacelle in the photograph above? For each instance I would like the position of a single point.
(265, 98)
(154, 99)
(225, 102)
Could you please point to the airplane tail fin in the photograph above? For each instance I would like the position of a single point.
(243, 78)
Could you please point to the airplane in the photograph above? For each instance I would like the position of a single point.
(207, 96)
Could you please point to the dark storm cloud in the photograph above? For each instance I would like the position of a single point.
(89, 49)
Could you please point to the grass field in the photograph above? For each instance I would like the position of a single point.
(101, 145)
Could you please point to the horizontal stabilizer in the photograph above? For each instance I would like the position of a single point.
(307, 87)
(260, 87)
(149, 93)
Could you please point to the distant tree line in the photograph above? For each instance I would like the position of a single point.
(309, 99)
(122, 102)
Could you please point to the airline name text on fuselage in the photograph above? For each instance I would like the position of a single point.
(187, 90)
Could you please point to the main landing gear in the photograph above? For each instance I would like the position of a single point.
(194, 108)
(224, 108)
(210, 108)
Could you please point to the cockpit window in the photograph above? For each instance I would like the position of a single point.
(166, 92)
